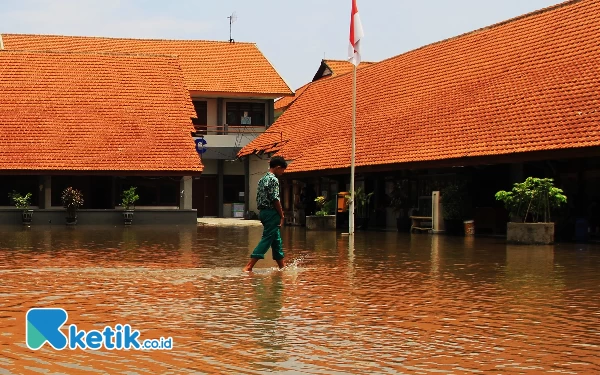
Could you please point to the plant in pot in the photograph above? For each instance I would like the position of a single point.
(22, 202)
(322, 218)
(399, 202)
(324, 206)
(72, 199)
(361, 204)
(129, 197)
(530, 204)
(454, 206)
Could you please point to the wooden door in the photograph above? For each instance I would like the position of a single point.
(205, 196)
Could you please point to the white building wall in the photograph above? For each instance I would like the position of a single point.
(211, 109)
(210, 166)
(258, 168)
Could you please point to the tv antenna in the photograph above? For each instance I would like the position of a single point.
(232, 19)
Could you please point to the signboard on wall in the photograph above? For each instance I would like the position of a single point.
(200, 145)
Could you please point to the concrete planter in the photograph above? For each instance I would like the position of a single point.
(26, 217)
(530, 233)
(128, 216)
(321, 222)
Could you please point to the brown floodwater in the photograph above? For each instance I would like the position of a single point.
(393, 304)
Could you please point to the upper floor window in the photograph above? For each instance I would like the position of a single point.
(239, 114)
(201, 113)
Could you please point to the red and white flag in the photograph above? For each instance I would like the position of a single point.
(356, 34)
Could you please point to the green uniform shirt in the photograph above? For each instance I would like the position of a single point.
(268, 192)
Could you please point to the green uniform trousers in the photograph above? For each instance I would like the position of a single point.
(271, 237)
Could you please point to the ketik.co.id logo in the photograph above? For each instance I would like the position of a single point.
(45, 325)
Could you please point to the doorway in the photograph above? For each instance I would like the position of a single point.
(205, 196)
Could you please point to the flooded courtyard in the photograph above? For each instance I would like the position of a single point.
(392, 303)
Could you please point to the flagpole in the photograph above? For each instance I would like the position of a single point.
(351, 229)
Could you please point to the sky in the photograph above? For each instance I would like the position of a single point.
(294, 35)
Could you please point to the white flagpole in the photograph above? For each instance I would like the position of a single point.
(351, 214)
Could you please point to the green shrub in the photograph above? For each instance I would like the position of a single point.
(129, 197)
(534, 199)
(19, 200)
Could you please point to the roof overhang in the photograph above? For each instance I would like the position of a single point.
(41, 172)
(521, 157)
(244, 95)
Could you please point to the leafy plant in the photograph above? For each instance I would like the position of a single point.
(399, 199)
(454, 201)
(361, 200)
(533, 199)
(72, 199)
(129, 197)
(19, 200)
(323, 205)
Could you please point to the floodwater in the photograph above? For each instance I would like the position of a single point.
(394, 304)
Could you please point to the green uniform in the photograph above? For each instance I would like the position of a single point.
(266, 196)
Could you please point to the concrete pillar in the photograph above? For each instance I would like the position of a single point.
(185, 186)
(45, 192)
(270, 113)
(436, 213)
(220, 185)
(220, 121)
(246, 184)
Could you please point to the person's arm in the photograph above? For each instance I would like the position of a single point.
(280, 210)
(277, 202)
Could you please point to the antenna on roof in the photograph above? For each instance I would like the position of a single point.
(232, 19)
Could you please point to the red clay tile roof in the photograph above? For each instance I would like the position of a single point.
(287, 100)
(94, 112)
(208, 66)
(528, 84)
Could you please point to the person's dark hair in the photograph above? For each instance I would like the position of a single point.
(278, 161)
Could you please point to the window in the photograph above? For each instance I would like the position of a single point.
(202, 115)
(232, 187)
(240, 114)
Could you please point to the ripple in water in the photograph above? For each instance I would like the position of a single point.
(394, 304)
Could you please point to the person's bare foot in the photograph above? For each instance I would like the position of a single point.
(280, 263)
(250, 265)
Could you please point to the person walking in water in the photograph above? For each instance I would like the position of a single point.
(271, 214)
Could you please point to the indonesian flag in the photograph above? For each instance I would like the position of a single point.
(356, 33)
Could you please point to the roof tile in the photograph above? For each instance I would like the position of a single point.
(528, 84)
(209, 66)
(101, 112)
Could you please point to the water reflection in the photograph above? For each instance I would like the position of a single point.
(372, 303)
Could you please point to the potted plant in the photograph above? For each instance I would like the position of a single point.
(322, 218)
(129, 197)
(361, 203)
(530, 204)
(72, 199)
(22, 202)
(399, 202)
(454, 206)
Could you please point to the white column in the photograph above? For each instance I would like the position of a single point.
(436, 212)
(185, 186)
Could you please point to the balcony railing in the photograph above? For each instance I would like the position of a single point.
(202, 130)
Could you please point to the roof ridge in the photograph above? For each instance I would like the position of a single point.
(485, 28)
(121, 38)
(295, 91)
(57, 52)
(362, 62)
